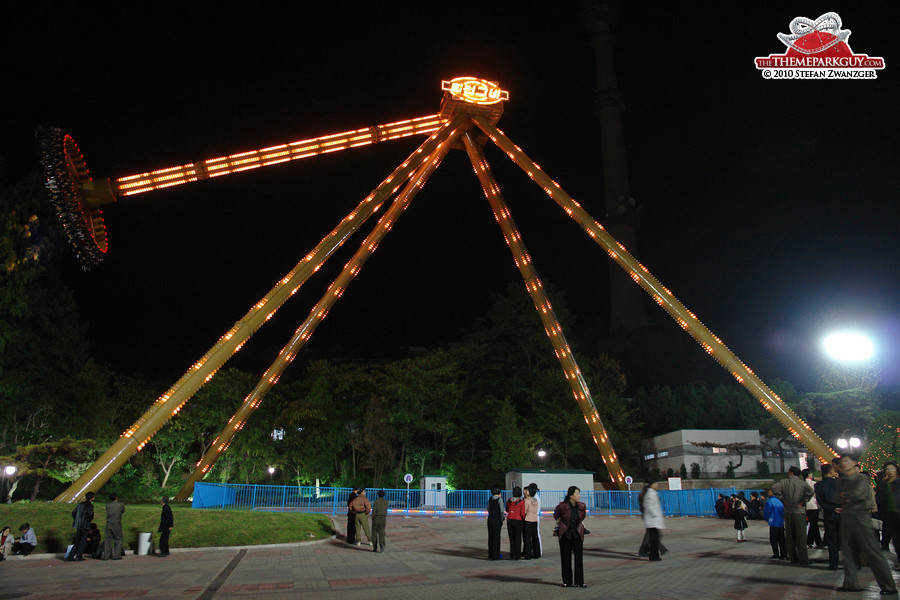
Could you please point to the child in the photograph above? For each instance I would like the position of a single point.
(740, 519)
(773, 512)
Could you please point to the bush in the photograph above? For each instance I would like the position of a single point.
(762, 468)
(670, 472)
(683, 471)
(695, 471)
(729, 470)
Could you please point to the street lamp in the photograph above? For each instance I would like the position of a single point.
(848, 346)
(9, 471)
(852, 443)
(271, 470)
(541, 454)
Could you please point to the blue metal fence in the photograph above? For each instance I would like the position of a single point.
(328, 500)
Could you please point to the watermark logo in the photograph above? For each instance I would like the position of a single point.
(818, 50)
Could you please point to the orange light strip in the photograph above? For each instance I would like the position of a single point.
(662, 296)
(554, 331)
(137, 436)
(318, 313)
(273, 155)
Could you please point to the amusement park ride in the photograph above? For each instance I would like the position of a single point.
(469, 113)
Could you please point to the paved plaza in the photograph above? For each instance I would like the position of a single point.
(445, 558)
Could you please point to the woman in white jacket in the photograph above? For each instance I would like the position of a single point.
(653, 518)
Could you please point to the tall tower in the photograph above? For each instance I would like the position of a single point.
(628, 319)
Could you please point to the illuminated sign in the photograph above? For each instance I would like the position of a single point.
(476, 91)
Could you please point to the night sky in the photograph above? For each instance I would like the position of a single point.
(769, 208)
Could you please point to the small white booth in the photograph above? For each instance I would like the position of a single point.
(552, 483)
(434, 491)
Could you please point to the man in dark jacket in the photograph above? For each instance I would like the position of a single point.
(112, 544)
(794, 492)
(166, 523)
(81, 521)
(826, 496)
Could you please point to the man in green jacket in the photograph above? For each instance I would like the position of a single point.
(857, 539)
(379, 521)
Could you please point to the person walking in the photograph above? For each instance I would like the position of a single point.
(166, 523)
(379, 521)
(494, 524)
(529, 524)
(362, 507)
(773, 512)
(826, 497)
(654, 522)
(570, 515)
(515, 515)
(739, 512)
(813, 536)
(855, 495)
(81, 521)
(793, 493)
(112, 544)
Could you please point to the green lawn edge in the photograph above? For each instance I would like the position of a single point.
(194, 528)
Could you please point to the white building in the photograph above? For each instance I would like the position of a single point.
(671, 450)
(552, 483)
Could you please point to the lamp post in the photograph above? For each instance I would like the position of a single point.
(9, 471)
(851, 443)
(271, 471)
(541, 454)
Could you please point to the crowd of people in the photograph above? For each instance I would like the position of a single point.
(859, 520)
(88, 541)
(521, 513)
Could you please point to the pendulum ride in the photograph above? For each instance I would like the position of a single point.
(469, 113)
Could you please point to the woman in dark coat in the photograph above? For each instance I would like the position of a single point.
(570, 515)
(494, 524)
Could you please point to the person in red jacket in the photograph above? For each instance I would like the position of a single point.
(515, 515)
(570, 515)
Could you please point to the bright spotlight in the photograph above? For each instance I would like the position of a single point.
(10, 470)
(848, 346)
(855, 442)
(842, 444)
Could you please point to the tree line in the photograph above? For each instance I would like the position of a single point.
(471, 410)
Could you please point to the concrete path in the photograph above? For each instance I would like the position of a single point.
(445, 558)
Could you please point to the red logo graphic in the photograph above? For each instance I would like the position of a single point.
(818, 50)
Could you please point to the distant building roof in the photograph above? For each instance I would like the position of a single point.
(553, 471)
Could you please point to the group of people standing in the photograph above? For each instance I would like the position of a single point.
(358, 510)
(848, 503)
(522, 515)
(521, 512)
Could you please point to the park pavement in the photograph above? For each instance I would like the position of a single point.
(445, 558)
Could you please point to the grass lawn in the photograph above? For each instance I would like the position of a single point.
(194, 528)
